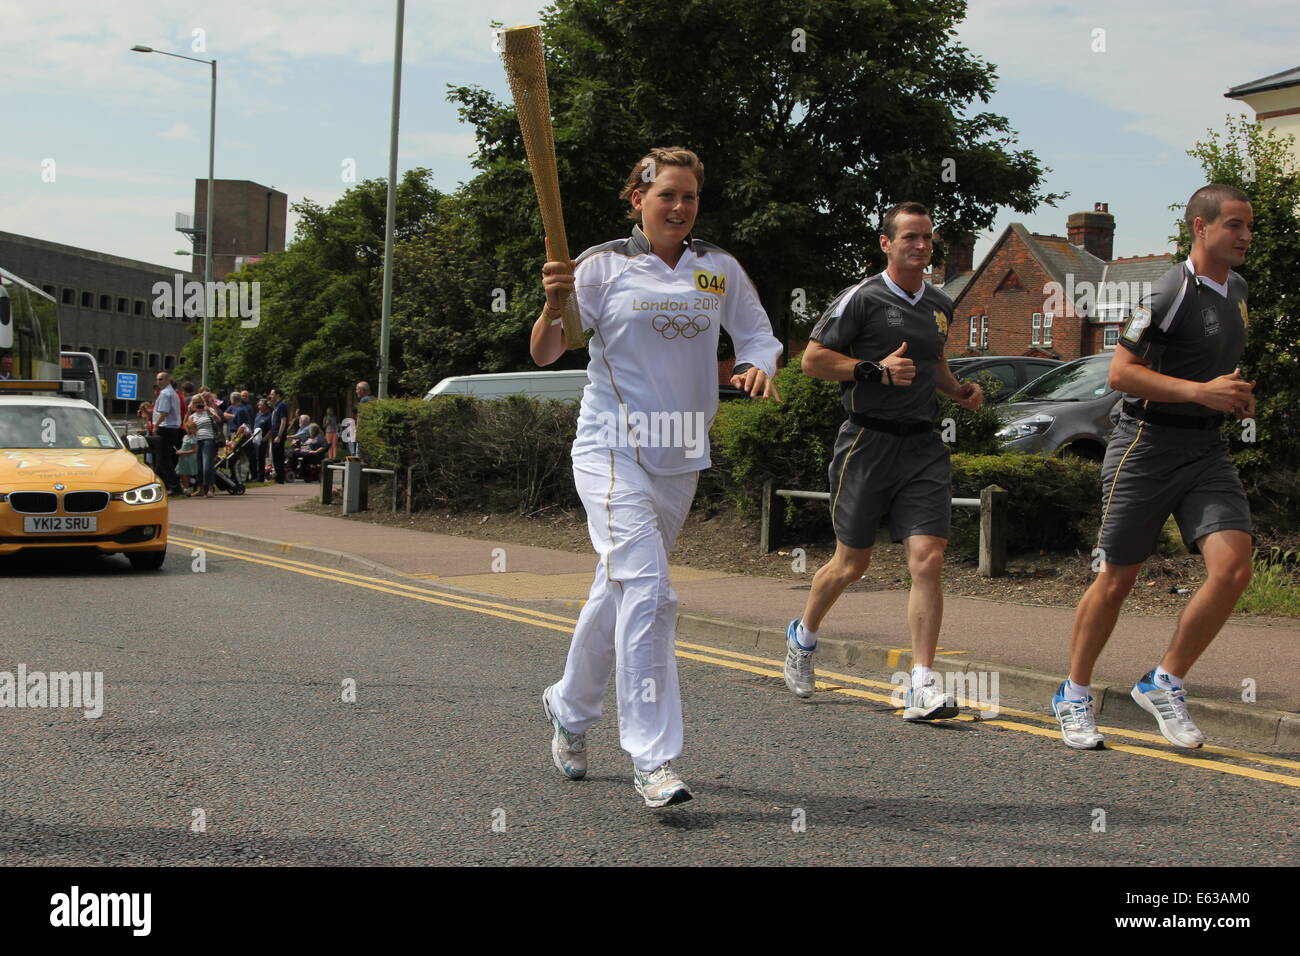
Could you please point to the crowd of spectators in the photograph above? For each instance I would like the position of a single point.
(189, 431)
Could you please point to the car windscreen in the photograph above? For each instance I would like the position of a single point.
(54, 426)
(1079, 381)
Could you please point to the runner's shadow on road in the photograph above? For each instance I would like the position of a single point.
(24, 840)
(903, 814)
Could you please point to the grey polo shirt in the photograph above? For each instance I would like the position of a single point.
(869, 321)
(1189, 327)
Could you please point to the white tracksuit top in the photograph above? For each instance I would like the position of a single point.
(652, 378)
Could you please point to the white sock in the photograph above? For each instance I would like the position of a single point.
(920, 677)
(805, 638)
(1167, 680)
(1075, 691)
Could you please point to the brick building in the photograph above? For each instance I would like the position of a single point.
(1054, 296)
(251, 221)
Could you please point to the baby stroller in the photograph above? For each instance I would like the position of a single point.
(224, 475)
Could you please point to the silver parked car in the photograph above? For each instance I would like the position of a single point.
(1013, 371)
(1067, 411)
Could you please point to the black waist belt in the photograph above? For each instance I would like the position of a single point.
(893, 428)
(1198, 422)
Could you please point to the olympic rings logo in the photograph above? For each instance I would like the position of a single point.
(687, 326)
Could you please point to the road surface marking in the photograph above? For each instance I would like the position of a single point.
(770, 668)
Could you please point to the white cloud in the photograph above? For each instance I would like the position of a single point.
(73, 173)
(419, 147)
(1166, 65)
(178, 131)
(95, 222)
(72, 45)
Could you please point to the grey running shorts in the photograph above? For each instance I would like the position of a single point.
(874, 474)
(1153, 471)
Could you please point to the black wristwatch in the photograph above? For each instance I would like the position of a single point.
(869, 372)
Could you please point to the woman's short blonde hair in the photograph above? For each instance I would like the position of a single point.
(643, 173)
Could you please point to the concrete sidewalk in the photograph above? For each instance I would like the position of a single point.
(1027, 645)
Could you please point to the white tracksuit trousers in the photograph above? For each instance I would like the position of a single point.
(629, 622)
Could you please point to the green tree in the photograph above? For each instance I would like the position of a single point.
(321, 298)
(451, 310)
(812, 117)
(1260, 163)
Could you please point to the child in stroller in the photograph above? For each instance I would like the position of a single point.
(225, 474)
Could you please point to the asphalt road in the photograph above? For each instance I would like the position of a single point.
(225, 739)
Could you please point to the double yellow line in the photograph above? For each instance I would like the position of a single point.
(845, 684)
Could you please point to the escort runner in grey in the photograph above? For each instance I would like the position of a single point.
(1177, 367)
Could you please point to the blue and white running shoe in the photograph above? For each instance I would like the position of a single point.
(1078, 727)
(1169, 707)
(660, 787)
(568, 750)
(798, 670)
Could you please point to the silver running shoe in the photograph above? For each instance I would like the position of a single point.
(1169, 708)
(1078, 726)
(929, 703)
(798, 670)
(660, 787)
(569, 751)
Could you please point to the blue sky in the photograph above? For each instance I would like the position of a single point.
(304, 86)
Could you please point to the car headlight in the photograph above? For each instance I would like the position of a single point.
(1034, 425)
(144, 495)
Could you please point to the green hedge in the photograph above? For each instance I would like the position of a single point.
(506, 455)
(754, 441)
(512, 455)
(1052, 503)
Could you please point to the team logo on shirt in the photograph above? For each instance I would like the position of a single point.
(1211, 319)
(1245, 317)
(714, 282)
(893, 317)
(1137, 325)
(941, 322)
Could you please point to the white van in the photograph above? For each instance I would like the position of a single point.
(564, 384)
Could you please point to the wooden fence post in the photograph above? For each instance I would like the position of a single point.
(993, 532)
(773, 519)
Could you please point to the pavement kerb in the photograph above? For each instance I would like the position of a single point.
(1259, 727)
(1288, 733)
(339, 560)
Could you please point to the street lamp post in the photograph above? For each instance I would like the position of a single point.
(386, 306)
(208, 226)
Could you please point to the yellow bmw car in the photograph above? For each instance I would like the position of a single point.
(67, 481)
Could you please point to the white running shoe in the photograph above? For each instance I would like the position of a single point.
(798, 670)
(928, 702)
(569, 751)
(1169, 707)
(1078, 726)
(660, 787)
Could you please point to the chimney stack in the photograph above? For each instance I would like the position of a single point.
(1095, 230)
(960, 256)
